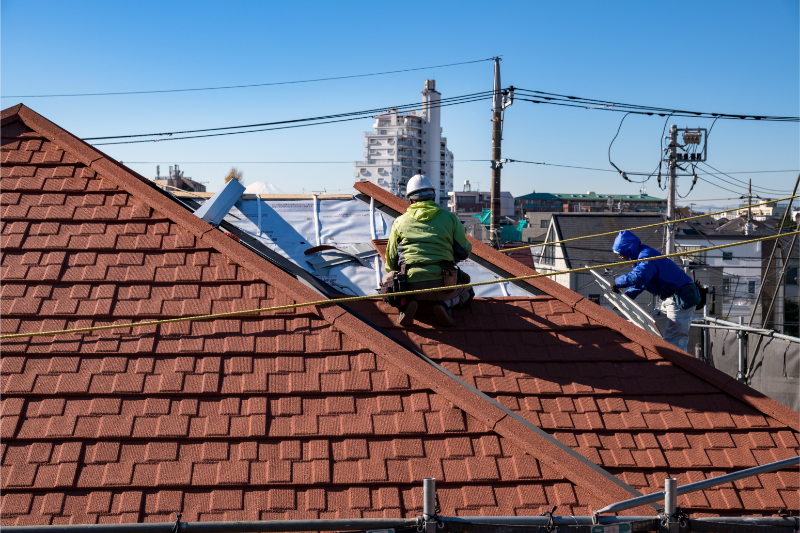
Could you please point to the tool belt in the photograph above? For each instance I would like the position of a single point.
(398, 282)
(686, 296)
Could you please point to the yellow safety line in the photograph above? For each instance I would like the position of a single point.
(375, 296)
(506, 250)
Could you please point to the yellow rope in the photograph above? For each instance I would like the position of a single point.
(506, 250)
(375, 296)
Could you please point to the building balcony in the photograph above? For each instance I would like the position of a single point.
(387, 162)
(409, 143)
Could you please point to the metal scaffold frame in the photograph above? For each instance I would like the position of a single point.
(672, 519)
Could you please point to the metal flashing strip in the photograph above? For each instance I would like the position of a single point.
(478, 260)
(608, 475)
(215, 209)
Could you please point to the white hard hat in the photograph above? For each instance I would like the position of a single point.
(419, 183)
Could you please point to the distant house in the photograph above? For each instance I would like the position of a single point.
(743, 266)
(593, 251)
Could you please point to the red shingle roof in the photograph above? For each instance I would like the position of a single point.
(311, 412)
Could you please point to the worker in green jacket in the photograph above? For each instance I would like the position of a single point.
(425, 243)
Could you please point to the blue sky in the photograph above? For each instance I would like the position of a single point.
(730, 57)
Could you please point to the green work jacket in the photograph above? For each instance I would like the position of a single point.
(423, 236)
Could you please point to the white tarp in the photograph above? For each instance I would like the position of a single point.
(290, 227)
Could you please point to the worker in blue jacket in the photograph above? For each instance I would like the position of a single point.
(679, 294)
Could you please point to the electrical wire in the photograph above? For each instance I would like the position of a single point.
(243, 86)
(265, 129)
(743, 182)
(742, 193)
(575, 101)
(370, 112)
(625, 176)
(274, 162)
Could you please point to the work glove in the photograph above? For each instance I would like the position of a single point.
(615, 289)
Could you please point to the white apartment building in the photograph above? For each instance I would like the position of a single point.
(405, 144)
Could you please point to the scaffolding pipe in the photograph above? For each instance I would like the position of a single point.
(784, 220)
(428, 498)
(701, 485)
(461, 523)
(706, 356)
(670, 496)
(742, 353)
(767, 332)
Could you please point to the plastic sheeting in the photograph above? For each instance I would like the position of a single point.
(290, 227)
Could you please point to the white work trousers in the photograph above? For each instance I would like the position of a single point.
(678, 323)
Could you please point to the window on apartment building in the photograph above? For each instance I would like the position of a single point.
(595, 298)
(791, 276)
(544, 224)
(383, 132)
(726, 286)
(751, 286)
(727, 256)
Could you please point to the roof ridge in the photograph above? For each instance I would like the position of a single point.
(713, 376)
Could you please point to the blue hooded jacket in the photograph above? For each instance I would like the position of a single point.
(660, 276)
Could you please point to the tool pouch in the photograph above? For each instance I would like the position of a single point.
(687, 296)
(703, 290)
(449, 273)
(397, 282)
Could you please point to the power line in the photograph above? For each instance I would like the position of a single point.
(323, 117)
(605, 105)
(243, 86)
(762, 190)
(740, 181)
(364, 115)
(564, 166)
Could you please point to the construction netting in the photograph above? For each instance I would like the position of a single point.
(775, 369)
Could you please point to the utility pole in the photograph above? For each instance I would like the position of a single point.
(671, 179)
(497, 133)
(500, 100)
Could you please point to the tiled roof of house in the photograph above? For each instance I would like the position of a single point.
(295, 414)
(311, 412)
